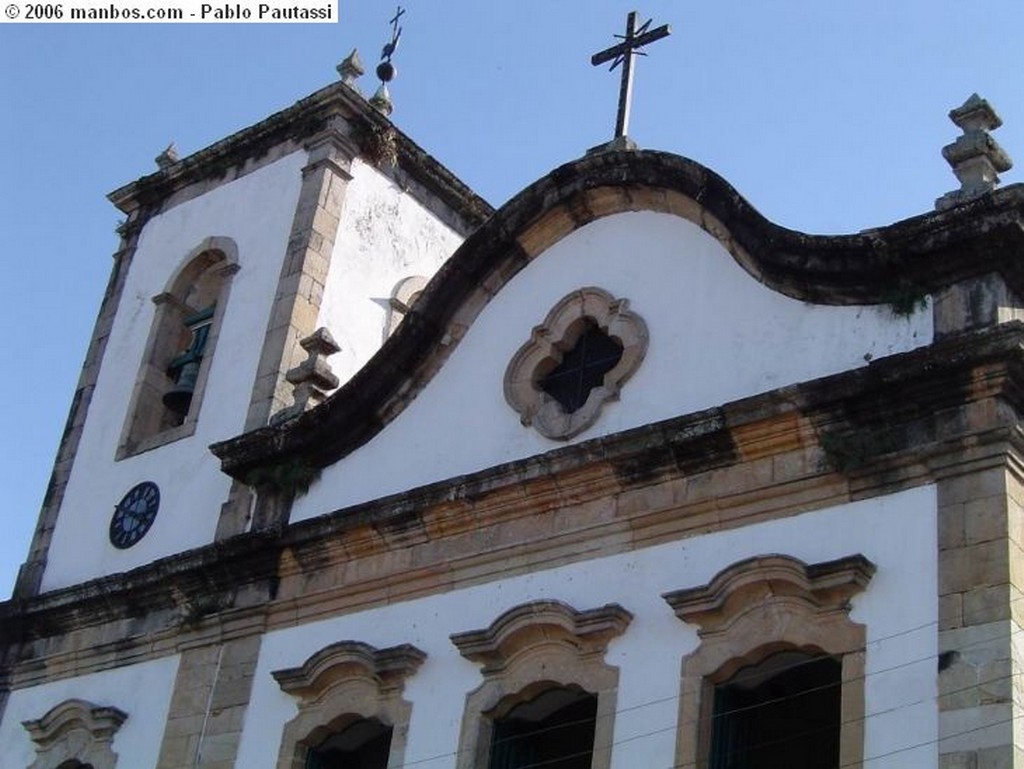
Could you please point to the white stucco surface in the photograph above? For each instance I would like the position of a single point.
(385, 235)
(899, 609)
(716, 335)
(142, 691)
(255, 211)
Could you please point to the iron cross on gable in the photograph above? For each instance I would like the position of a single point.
(623, 54)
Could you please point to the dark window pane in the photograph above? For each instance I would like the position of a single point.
(555, 730)
(366, 744)
(784, 712)
(582, 368)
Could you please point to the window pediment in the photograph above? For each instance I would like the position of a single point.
(342, 685)
(76, 730)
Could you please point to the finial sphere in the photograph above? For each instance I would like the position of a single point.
(386, 71)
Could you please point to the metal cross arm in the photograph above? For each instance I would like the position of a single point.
(623, 52)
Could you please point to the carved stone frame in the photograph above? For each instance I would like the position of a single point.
(344, 683)
(549, 341)
(142, 429)
(531, 648)
(761, 606)
(76, 730)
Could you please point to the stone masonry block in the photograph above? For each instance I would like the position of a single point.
(986, 604)
(964, 760)
(967, 568)
(985, 519)
(964, 488)
(1015, 522)
(996, 758)
(952, 526)
(958, 687)
(226, 721)
(218, 747)
(177, 752)
(232, 693)
(995, 682)
(951, 612)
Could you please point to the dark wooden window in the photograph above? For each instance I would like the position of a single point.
(783, 712)
(582, 368)
(366, 744)
(555, 730)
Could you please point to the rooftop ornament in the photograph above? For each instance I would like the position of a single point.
(386, 71)
(350, 69)
(168, 157)
(976, 157)
(623, 53)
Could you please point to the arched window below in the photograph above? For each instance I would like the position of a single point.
(364, 744)
(351, 714)
(172, 378)
(779, 661)
(403, 297)
(547, 698)
(783, 711)
(554, 729)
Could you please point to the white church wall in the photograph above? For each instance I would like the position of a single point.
(385, 235)
(899, 609)
(256, 212)
(716, 335)
(142, 691)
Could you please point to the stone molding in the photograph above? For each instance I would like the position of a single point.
(756, 608)
(534, 647)
(76, 730)
(758, 459)
(343, 683)
(549, 341)
(284, 132)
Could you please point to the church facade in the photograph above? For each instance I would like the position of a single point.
(363, 473)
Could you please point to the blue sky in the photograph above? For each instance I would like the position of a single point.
(827, 116)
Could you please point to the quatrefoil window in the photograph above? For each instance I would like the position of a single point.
(577, 360)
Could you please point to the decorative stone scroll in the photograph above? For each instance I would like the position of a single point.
(561, 330)
(76, 730)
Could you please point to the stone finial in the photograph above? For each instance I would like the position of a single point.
(381, 100)
(351, 68)
(168, 157)
(313, 377)
(976, 157)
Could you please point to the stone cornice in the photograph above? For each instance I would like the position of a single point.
(298, 123)
(917, 256)
(899, 422)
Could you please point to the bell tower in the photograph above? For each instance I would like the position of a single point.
(236, 263)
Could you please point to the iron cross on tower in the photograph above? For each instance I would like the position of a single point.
(623, 54)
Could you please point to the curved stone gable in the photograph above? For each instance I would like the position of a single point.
(919, 255)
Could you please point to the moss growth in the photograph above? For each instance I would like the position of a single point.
(850, 451)
(292, 478)
(905, 298)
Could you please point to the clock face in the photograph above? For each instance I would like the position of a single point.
(134, 515)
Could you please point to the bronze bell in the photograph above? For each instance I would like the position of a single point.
(179, 397)
(184, 369)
